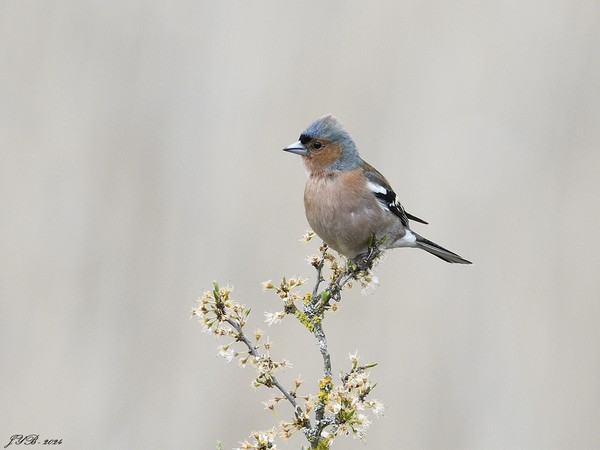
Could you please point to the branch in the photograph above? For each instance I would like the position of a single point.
(241, 337)
(360, 263)
(337, 407)
(315, 311)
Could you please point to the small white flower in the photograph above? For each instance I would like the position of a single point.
(377, 408)
(336, 407)
(369, 283)
(307, 236)
(314, 260)
(267, 285)
(270, 404)
(274, 318)
(227, 353)
(364, 423)
(325, 434)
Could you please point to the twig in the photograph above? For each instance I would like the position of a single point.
(319, 269)
(273, 379)
(315, 311)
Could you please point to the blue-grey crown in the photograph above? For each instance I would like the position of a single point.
(330, 128)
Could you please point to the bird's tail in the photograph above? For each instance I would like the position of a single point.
(438, 250)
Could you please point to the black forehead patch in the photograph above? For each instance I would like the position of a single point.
(304, 138)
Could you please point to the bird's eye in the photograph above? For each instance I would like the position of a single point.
(317, 145)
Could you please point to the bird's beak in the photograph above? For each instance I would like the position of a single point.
(296, 148)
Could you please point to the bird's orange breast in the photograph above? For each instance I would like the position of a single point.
(341, 211)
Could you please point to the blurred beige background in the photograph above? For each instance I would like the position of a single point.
(141, 159)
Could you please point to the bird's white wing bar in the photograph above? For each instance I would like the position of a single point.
(377, 188)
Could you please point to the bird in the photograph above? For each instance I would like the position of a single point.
(348, 202)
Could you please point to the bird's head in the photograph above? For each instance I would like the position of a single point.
(325, 145)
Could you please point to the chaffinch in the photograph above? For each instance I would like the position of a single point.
(348, 202)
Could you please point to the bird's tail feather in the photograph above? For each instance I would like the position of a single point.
(439, 251)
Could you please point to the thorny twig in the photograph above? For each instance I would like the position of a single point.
(315, 310)
(241, 337)
(217, 309)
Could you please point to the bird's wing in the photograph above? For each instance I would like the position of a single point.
(415, 218)
(386, 195)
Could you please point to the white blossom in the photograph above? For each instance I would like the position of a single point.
(274, 318)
